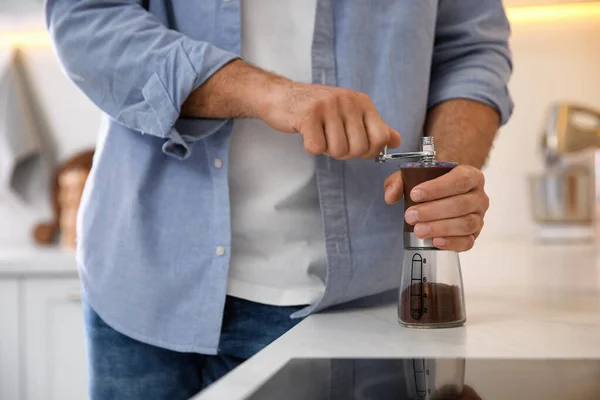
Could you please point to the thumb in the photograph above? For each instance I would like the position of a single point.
(394, 138)
(393, 188)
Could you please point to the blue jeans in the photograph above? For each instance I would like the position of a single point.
(124, 368)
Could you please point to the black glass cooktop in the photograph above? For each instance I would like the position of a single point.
(431, 379)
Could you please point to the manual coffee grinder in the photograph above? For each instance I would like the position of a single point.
(431, 288)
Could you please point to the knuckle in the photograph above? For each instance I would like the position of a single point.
(394, 177)
(471, 223)
(352, 153)
(464, 243)
(350, 109)
(463, 203)
(314, 147)
(464, 182)
(329, 102)
(353, 94)
(466, 246)
(486, 202)
(312, 150)
(379, 139)
(470, 242)
(364, 98)
(464, 169)
(358, 152)
(464, 178)
(336, 152)
(363, 148)
(303, 121)
(344, 95)
(318, 106)
(332, 102)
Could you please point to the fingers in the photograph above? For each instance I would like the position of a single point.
(356, 134)
(393, 188)
(335, 134)
(456, 234)
(461, 243)
(450, 227)
(450, 207)
(342, 123)
(313, 136)
(462, 226)
(460, 180)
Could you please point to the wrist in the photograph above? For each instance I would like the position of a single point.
(270, 95)
(463, 130)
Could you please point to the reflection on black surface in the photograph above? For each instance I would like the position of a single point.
(368, 379)
(432, 379)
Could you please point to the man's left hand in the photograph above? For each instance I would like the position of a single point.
(450, 210)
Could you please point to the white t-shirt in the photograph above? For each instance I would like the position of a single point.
(278, 249)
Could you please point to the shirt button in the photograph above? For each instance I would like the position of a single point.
(220, 250)
(218, 163)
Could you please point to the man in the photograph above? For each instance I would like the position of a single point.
(227, 202)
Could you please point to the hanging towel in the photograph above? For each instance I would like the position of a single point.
(18, 137)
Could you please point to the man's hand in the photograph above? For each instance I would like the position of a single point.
(338, 122)
(341, 123)
(451, 208)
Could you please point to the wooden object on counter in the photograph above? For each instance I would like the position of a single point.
(66, 190)
(71, 184)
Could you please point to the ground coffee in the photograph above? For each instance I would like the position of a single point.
(431, 303)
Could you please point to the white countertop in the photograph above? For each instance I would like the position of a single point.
(523, 301)
(35, 260)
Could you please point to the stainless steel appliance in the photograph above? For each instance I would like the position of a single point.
(565, 198)
(570, 128)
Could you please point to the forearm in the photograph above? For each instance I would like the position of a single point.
(463, 130)
(237, 90)
(338, 122)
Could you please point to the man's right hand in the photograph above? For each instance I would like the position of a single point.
(337, 122)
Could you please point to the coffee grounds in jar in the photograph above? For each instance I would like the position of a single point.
(431, 303)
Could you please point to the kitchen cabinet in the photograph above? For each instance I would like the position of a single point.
(54, 356)
(42, 352)
(9, 340)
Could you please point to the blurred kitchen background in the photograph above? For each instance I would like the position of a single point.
(45, 120)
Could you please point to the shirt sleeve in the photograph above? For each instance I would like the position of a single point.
(471, 57)
(131, 65)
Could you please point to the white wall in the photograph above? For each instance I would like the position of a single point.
(72, 119)
(553, 61)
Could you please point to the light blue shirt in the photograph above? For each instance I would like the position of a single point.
(154, 227)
